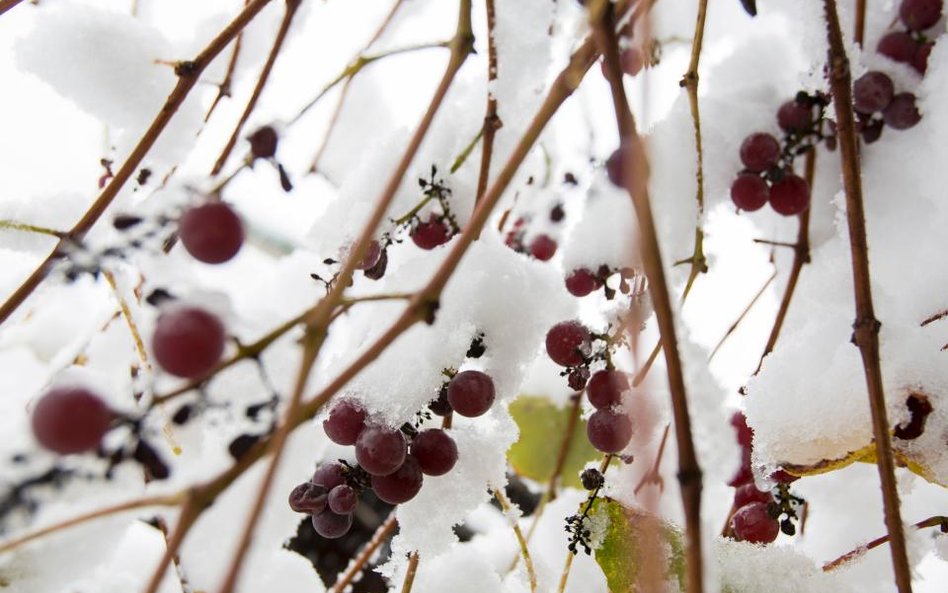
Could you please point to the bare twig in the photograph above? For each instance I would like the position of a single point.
(866, 326)
(31, 228)
(410, 572)
(564, 446)
(653, 475)
(190, 511)
(291, 7)
(6, 5)
(223, 89)
(524, 550)
(492, 123)
(935, 317)
(936, 521)
(636, 182)
(743, 314)
(358, 563)
(860, 25)
(188, 73)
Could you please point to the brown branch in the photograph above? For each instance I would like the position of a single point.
(492, 123)
(801, 257)
(936, 521)
(860, 25)
(355, 567)
(743, 314)
(866, 326)
(521, 541)
(291, 7)
(935, 317)
(188, 73)
(223, 89)
(636, 182)
(6, 5)
(410, 572)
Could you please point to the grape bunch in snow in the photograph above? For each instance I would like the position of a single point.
(392, 462)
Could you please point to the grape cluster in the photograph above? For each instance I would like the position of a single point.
(911, 46)
(768, 175)
(392, 462)
(583, 281)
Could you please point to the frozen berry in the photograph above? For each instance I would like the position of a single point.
(70, 420)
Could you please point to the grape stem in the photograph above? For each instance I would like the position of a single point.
(291, 7)
(636, 171)
(936, 521)
(6, 5)
(866, 326)
(936, 317)
(31, 228)
(740, 318)
(653, 475)
(223, 89)
(859, 28)
(492, 123)
(524, 550)
(410, 571)
(359, 562)
(188, 73)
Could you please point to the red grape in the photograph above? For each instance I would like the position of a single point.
(346, 420)
(371, 257)
(759, 152)
(329, 475)
(753, 523)
(330, 525)
(308, 498)
(70, 420)
(432, 233)
(744, 475)
(872, 92)
(582, 282)
(750, 192)
(609, 430)
(606, 387)
(435, 451)
(794, 116)
(400, 486)
(263, 142)
(471, 393)
(188, 341)
(342, 499)
(568, 343)
(380, 450)
(543, 247)
(898, 46)
(919, 15)
(901, 113)
(212, 233)
(790, 195)
(748, 493)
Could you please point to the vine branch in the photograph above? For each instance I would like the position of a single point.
(936, 521)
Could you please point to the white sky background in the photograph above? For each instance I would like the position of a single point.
(48, 147)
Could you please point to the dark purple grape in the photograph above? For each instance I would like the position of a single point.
(471, 393)
(212, 233)
(308, 498)
(432, 233)
(759, 152)
(329, 475)
(346, 420)
(371, 257)
(898, 46)
(609, 430)
(753, 523)
(568, 343)
(378, 270)
(188, 341)
(263, 142)
(872, 92)
(748, 493)
(435, 451)
(543, 247)
(744, 475)
(330, 525)
(380, 450)
(794, 116)
(577, 378)
(870, 130)
(441, 406)
(919, 15)
(70, 420)
(790, 195)
(750, 192)
(606, 387)
(582, 282)
(920, 60)
(400, 486)
(901, 113)
(342, 499)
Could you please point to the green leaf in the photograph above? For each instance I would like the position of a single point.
(543, 427)
(632, 543)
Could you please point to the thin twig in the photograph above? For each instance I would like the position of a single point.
(188, 74)
(564, 575)
(190, 511)
(223, 89)
(291, 7)
(935, 317)
(571, 423)
(129, 320)
(492, 123)
(801, 257)
(359, 562)
(524, 550)
(636, 182)
(936, 521)
(6, 5)
(860, 25)
(31, 228)
(743, 314)
(151, 501)
(654, 476)
(410, 571)
(866, 326)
